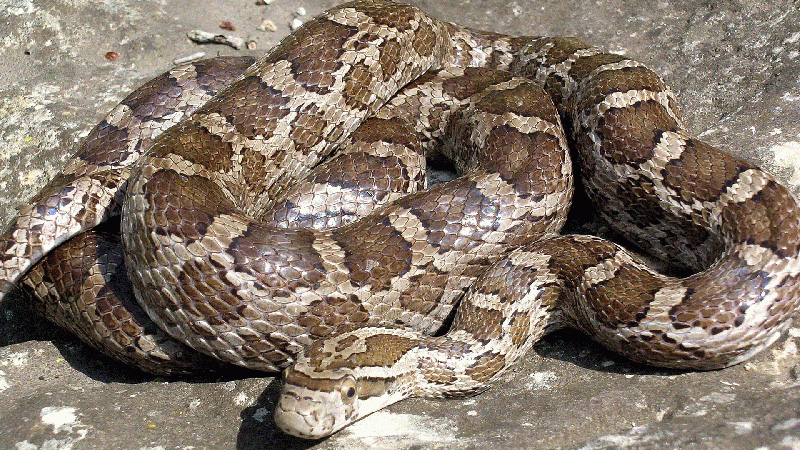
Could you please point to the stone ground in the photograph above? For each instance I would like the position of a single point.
(735, 66)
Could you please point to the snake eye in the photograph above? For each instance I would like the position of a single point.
(348, 389)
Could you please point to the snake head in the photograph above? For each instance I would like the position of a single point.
(313, 408)
(339, 381)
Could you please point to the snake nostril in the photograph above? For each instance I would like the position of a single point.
(306, 407)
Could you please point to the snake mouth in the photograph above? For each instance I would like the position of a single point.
(305, 417)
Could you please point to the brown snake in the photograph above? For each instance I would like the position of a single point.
(228, 261)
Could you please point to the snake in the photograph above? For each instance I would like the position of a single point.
(274, 213)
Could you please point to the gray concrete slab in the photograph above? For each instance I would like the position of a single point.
(734, 65)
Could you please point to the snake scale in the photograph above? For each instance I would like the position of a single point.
(275, 213)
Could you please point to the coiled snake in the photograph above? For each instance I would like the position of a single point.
(243, 239)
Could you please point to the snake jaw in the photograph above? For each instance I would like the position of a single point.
(308, 415)
(312, 406)
(315, 403)
(313, 414)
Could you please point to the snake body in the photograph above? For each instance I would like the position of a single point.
(352, 278)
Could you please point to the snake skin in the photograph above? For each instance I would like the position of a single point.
(229, 256)
(83, 286)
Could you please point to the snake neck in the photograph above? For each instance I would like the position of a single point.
(339, 381)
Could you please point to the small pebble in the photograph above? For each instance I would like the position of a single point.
(268, 25)
(227, 26)
(204, 37)
(296, 23)
(112, 56)
(301, 11)
(251, 45)
(193, 57)
(263, 2)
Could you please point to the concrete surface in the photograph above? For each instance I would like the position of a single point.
(735, 67)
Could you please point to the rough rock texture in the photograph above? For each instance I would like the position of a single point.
(736, 68)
